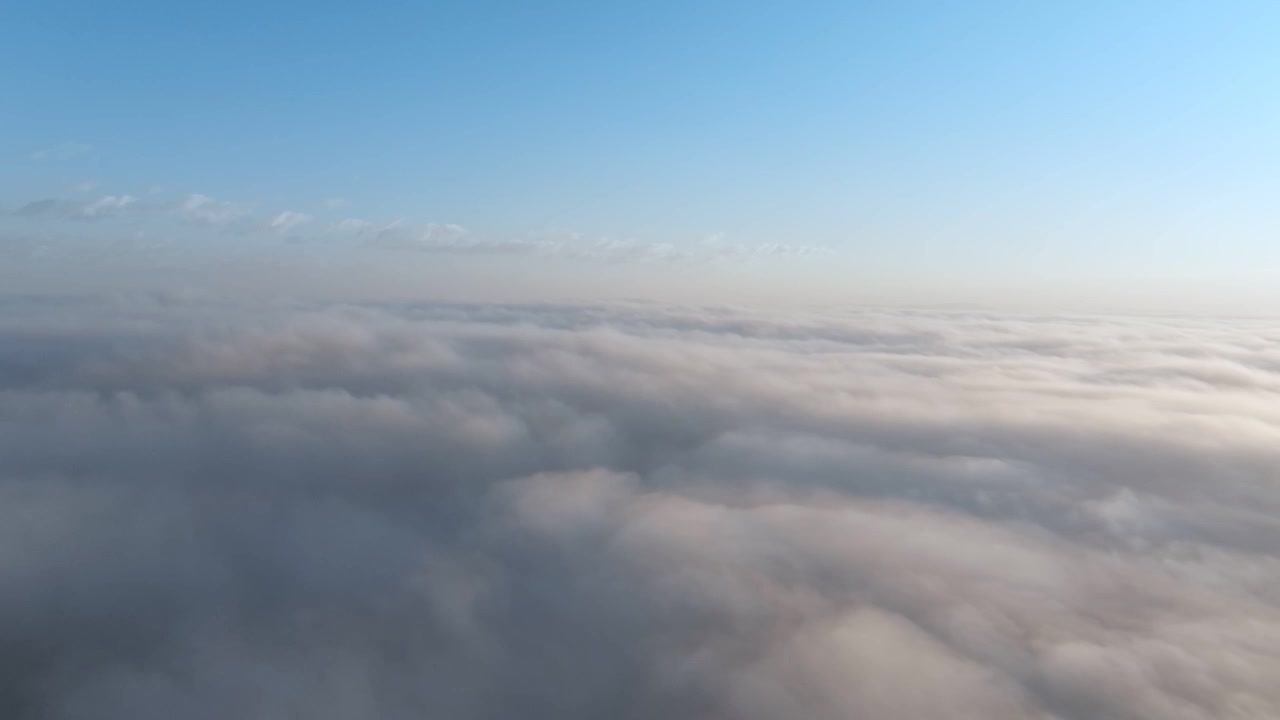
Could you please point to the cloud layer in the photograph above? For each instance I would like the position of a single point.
(203, 212)
(635, 511)
(195, 209)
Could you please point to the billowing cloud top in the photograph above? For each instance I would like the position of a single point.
(460, 512)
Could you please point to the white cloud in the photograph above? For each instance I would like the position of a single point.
(107, 205)
(63, 152)
(714, 248)
(580, 512)
(428, 237)
(354, 226)
(210, 212)
(287, 221)
(402, 234)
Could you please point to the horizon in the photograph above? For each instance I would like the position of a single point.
(1120, 157)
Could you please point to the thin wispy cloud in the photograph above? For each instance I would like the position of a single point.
(63, 152)
(203, 211)
(429, 236)
(287, 221)
(106, 206)
(194, 209)
(207, 211)
(354, 226)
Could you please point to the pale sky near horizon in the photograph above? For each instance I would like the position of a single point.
(1024, 153)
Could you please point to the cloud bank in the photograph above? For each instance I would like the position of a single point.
(450, 511)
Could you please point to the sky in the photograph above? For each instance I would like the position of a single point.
(914, 152)
(692, 360)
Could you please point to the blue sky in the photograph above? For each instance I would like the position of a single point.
(932, 151)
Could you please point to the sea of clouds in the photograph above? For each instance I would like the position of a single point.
(212, 510)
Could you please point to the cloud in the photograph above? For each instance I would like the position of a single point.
(288, 220)
(715, 248)
(719, 247)
(446, 238)
(63, 152)
(354, 226)
(106, 206)
(45, 207)
(441, 238)
(212, 510)
(194, 209)
(206, 211)
(404, 235)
